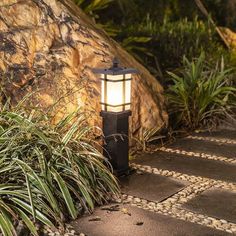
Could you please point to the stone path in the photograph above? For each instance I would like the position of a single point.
(188, 188)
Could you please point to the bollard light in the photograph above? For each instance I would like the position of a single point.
(116, 109)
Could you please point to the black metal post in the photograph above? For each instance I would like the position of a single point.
(116, 131)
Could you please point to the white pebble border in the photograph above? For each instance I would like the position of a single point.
(172, 205)
(68, 231)
(211, 139)
(198, 154)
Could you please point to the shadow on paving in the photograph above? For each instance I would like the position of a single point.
(189, 165)
(208, 147)
(132, 221)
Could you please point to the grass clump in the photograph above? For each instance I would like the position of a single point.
(49, 173)
(201, 95)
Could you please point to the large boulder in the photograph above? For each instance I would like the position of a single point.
(49, 47)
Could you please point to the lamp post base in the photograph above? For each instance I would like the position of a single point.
(116, 146)
(125, 172)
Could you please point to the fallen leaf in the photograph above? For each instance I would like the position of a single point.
(111, 208)
(139, 223)
(96, 218)
(125, 211)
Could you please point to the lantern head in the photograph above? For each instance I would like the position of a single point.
(116, 87)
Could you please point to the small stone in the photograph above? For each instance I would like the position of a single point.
(233, 229)
(165, 172)
(223, 221)
(51, 233)
(137, 200)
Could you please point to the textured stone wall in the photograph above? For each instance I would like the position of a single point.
(49, 47)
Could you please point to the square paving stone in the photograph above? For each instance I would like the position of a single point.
(215, 202)
(189, 165)
(138, 222)
(151, 186)
(208, 147)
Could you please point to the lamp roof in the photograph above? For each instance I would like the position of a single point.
(116, 69)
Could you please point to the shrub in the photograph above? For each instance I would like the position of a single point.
(173, 40)
(48, 173)
(201, 95)
(160, 46)
(93, 6)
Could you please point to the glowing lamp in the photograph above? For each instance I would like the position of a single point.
(116, 87)
(116, 109)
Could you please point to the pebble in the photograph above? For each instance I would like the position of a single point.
(207, 221)
(223, 221)
(137, 200)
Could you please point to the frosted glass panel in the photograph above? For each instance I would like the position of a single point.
(115, 95)
(102, 92)
(128, 76)
(128, 91)
(115, 77)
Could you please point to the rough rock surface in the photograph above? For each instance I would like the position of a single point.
(49, 47)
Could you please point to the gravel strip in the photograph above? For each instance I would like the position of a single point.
(68, 231)
(211, 139)
(198, 154)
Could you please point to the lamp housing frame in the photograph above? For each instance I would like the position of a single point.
(116, 70)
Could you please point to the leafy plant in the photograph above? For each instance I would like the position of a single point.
(148, 137)
(92, 6)
(136, 46)
(173, 40)
(201, 95)
(48, 173)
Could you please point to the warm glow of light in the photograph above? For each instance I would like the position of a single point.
(128, 93)
(115, 94)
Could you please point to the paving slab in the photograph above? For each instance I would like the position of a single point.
(215, 202)
(208, 147)
(189, 165)
(150, 186)
(218, 134)
(139, 222)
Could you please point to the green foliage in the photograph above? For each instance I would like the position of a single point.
(201, 95)
(223, 12)
(170, 41)
(135, 45)
(189, 38)
(48, 173)
(159, 33)
(91, 7)
(161, 46)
